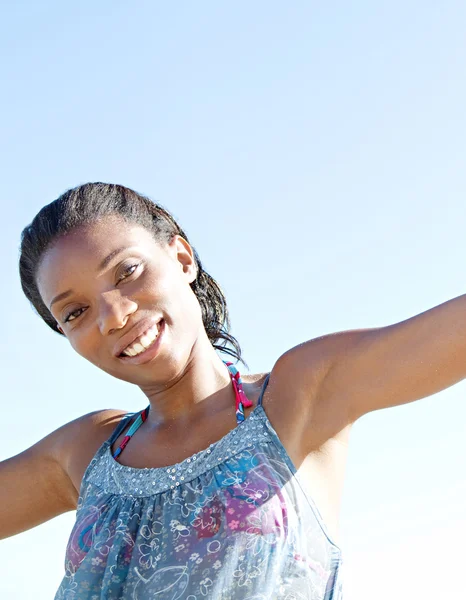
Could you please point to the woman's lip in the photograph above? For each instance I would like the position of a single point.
(135, 332)
(149, 353)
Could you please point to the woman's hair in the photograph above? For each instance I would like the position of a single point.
(90, 202)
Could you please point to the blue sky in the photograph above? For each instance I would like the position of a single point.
(315, 155)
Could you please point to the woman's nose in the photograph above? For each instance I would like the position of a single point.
(114, 312)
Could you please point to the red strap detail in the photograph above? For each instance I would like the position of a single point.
(124, 442)
(246, 402)
(239, 393)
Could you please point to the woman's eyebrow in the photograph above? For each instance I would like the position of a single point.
(112, 255)
(61, 296)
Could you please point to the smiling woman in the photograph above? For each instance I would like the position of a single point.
(205, 501)
(206, 492)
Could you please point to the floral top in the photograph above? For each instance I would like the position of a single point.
(231, 522)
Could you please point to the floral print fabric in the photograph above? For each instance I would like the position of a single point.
(232, 522)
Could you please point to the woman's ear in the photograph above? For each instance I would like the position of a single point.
(185, 257)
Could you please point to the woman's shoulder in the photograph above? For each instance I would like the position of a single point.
(82, 437)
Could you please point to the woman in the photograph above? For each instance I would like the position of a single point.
(205, 493)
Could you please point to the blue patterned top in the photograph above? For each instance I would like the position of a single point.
(231, 522)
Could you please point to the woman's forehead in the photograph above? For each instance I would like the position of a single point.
(88, 249)
(95, 239)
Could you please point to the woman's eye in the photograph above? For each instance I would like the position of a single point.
(74, 314)
(128, 271)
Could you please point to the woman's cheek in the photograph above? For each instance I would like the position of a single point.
(89, 349)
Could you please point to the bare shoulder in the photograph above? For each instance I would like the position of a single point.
(43, 481)
(79, 440)
(294, 397)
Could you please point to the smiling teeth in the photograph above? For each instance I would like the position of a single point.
(142, 342)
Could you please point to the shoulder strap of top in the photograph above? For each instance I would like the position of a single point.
(121, 426)
(131, 431)
(261, 396)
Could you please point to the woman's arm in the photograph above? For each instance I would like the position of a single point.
(364, 370)
(43, 481)
(34, 487)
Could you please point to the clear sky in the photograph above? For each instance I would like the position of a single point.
(315, 155)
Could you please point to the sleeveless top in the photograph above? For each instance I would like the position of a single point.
(230, 522)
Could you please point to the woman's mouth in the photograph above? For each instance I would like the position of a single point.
(146, 346)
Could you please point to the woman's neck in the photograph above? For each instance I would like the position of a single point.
(203, 387)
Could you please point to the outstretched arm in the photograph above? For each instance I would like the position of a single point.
(364, 370)
(34, 487)
(43, 481)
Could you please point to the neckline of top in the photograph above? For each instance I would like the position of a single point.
(116, 465)
(241, 400)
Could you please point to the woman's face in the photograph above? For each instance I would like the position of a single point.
(123, 300)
